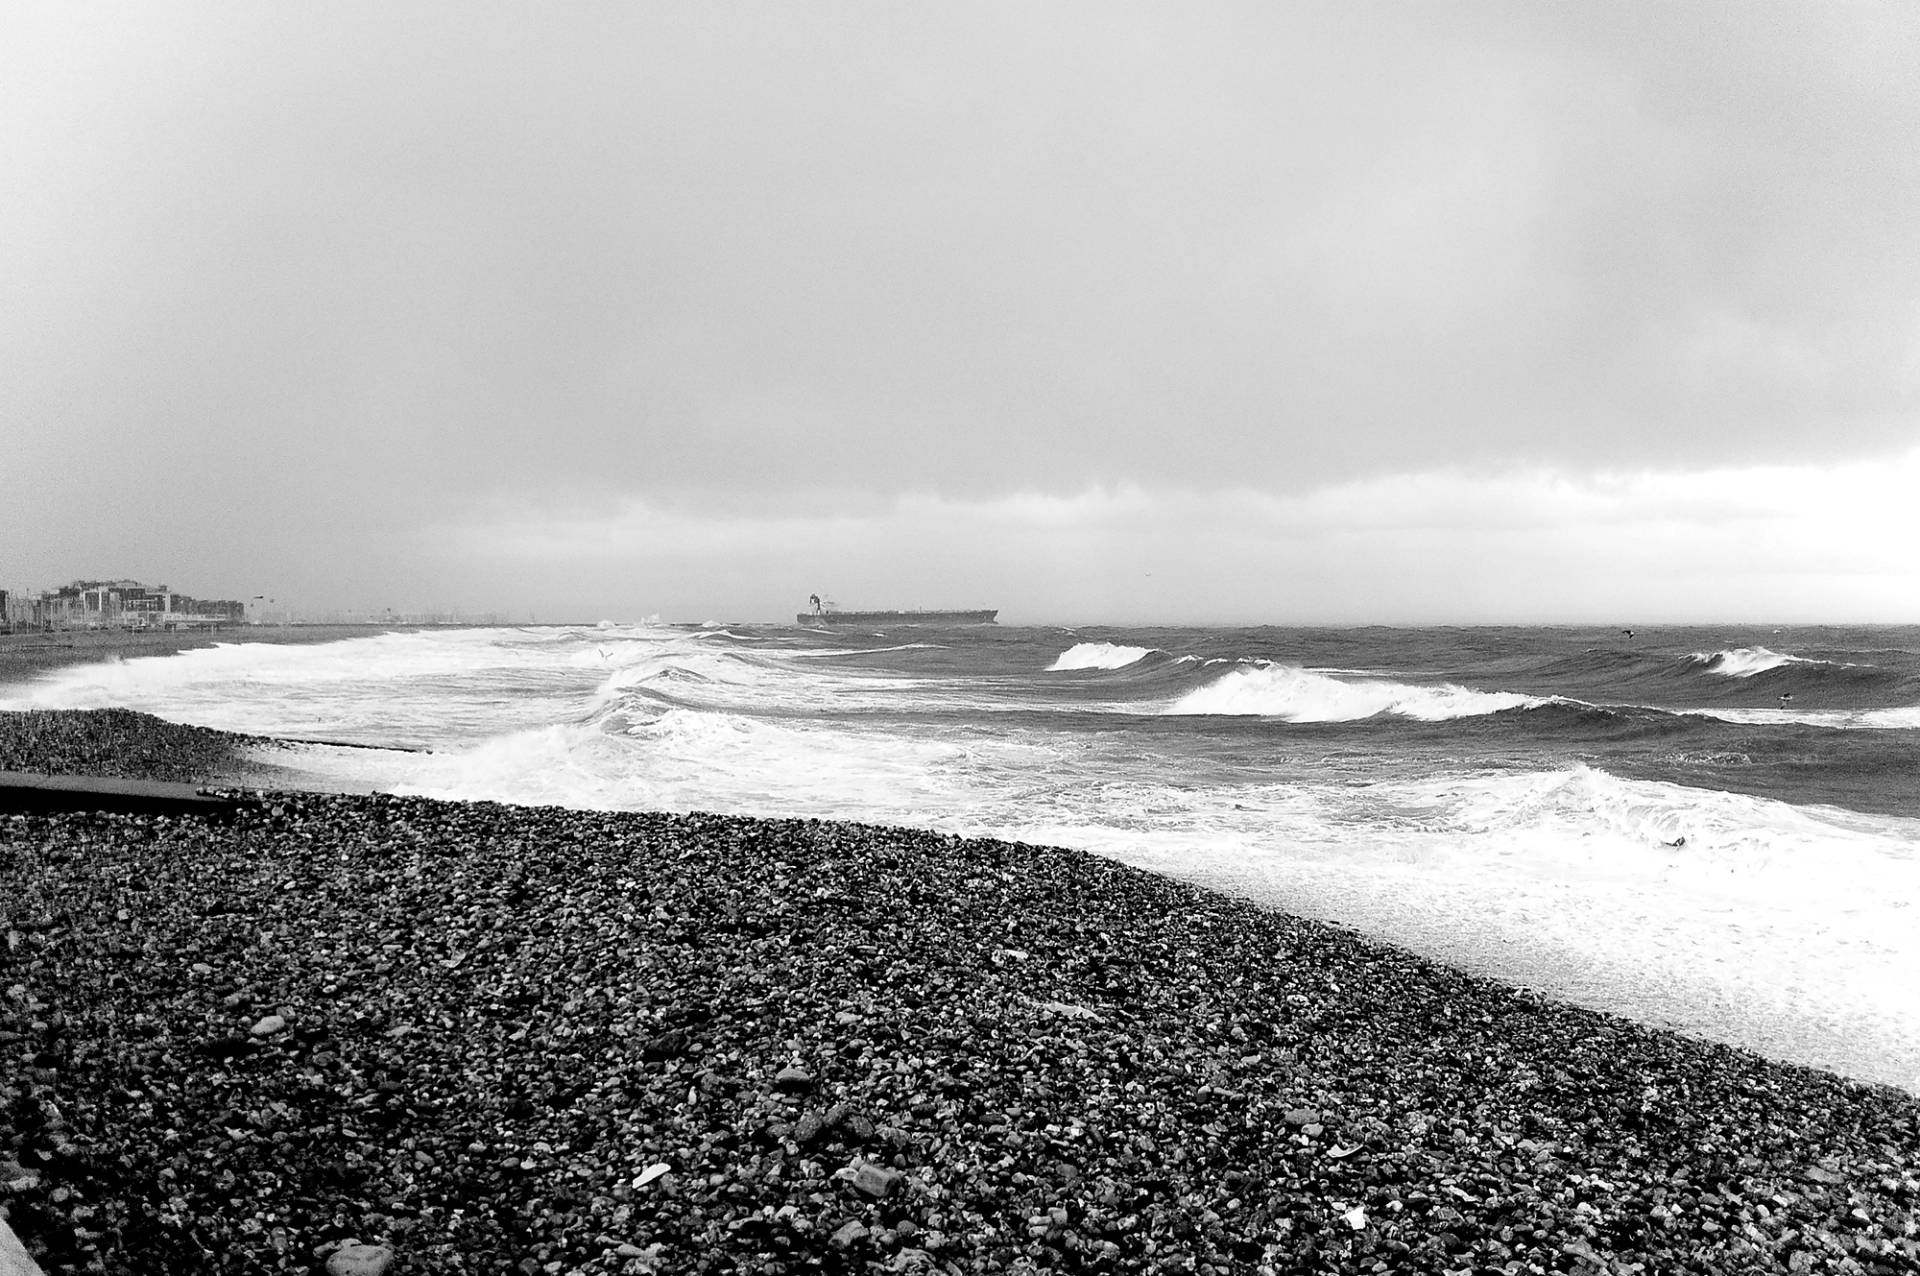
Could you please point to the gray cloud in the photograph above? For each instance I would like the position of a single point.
(360, 266)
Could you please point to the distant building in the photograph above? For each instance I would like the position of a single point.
(119, 604)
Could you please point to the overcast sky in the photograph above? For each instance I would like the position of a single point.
(1091, 312)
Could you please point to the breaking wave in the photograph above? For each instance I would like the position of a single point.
(1745, 662)
(1099, 655)
(1304, 695)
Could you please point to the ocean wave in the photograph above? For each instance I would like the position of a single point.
(1303, 695)
(1099, 655)
(871, 651)
(682, 678)
(1745, 662)
(1898, 718)
(1582, 720)
(673, 673)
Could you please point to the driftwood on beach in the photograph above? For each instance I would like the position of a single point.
(468, 1037)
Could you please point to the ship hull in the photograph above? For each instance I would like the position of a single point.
(833, 618)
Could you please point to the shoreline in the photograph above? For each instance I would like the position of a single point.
(24, 656)
(852, 1048)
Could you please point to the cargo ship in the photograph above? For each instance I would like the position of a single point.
(826, 614)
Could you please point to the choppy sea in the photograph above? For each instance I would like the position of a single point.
(1713, 829)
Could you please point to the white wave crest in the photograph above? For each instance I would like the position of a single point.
(872, 651)
(1901, 718)
(1099, 655)
(1745, 662)
(1304, 695)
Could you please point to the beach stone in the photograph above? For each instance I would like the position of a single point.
(666, 1045)
(793, 1079)
(225, 1047)
(1584, 1256)
(269, 1025)
(850, 1234)
(877, 1181)
(360, 1260)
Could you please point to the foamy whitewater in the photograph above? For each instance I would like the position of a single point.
(1711, 830)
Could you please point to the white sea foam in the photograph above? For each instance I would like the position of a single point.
(1302, 695)
(395, 688)
(1098, 655)
(423, 689)
(1745, 662)
(1902, 718)
(684, 760)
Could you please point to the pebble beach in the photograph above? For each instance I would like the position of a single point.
(351, 1033)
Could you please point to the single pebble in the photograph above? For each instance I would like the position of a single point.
(360, 1260)
(876, 1181)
